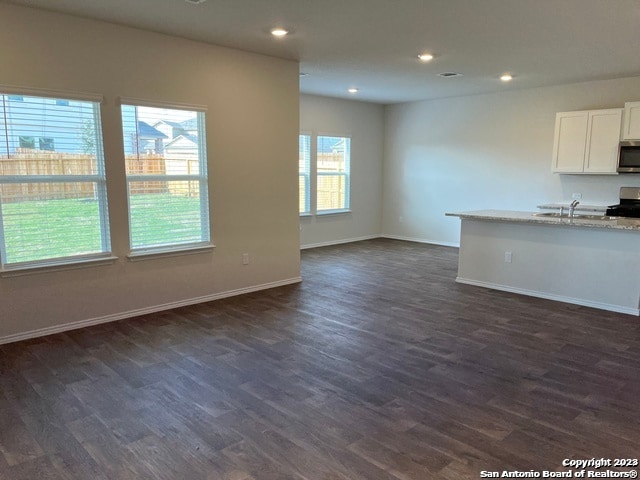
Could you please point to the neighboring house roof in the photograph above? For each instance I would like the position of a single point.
(147, 131)
(170, 123)
(180, 139)
(189, 124)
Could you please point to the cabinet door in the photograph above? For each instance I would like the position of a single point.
(570, 142)
(631, 130)
(603, 134)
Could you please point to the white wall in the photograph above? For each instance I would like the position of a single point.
(364, 122)
(486, 151)
(252, 135)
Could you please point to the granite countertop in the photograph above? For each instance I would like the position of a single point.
(617, 223)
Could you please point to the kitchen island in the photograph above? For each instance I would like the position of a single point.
(586, 261)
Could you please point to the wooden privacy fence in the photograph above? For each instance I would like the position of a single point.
(36, 162)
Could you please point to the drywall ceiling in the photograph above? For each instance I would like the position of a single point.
(372, 44)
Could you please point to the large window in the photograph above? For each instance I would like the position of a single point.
(304, 174)
(166, 171)
(333, 169)
(53, 203)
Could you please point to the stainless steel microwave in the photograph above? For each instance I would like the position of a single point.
(629, 157)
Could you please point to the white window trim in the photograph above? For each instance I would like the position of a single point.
(71, 262)
(333, 212)
(45, 92)
(314, 169)
(313, 175)
(170, 250)
(139, 102)
(184, 249)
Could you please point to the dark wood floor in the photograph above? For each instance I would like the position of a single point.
(378, 366)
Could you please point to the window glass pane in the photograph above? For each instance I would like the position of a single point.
(50, 137)
(304, 167)
(46, 143)
(50, 220)
(332, 193)
(303, 188)
(53, 201)
(165, 163)
(333, 164)
(164, 213)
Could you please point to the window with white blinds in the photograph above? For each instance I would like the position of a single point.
(166, 172)
(304, 174)
(53, 203)
(333, 164)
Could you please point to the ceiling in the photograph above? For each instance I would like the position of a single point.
(372, 44)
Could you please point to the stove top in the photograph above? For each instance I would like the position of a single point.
(629, 205)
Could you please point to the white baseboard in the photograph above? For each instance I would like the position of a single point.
(338, 242)
(550, 296)
(143, 311)
(382, 235)
(420, 240)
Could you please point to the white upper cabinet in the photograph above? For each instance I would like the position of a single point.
(603, 138)
(570, 142)
(631, 129)
(587, 141)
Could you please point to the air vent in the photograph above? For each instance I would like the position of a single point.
(195, 2)
(449, 74)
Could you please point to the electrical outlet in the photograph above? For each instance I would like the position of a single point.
(507, 257)
(245, 259)
(576, 196)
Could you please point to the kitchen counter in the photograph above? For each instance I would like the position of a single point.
(529, 217)
(587, 262)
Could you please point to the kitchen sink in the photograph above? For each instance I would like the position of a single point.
(547, 214)
(576, 216)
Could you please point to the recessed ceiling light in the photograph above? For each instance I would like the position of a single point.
(279, 32)
(353, 90)
(425, 57)
(506, 77)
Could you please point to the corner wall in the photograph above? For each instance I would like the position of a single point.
(488, 151)
(252, 137)
(364, 122)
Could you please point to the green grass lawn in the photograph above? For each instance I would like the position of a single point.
(36, 230)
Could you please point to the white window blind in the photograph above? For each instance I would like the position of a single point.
(333, 174)
(166, 171)
(304, 171)
(53, 203)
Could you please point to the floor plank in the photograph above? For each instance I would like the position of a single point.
(377, 366)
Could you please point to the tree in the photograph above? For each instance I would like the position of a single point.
(88, 137)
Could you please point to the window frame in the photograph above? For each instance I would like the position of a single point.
(346, 175)
(102, 257)
(182, 248)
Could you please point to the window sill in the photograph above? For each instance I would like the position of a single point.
(56, 266)
(150, 254)
(305, 215)
(332, 212)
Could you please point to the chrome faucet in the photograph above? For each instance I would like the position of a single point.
(572, 207)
